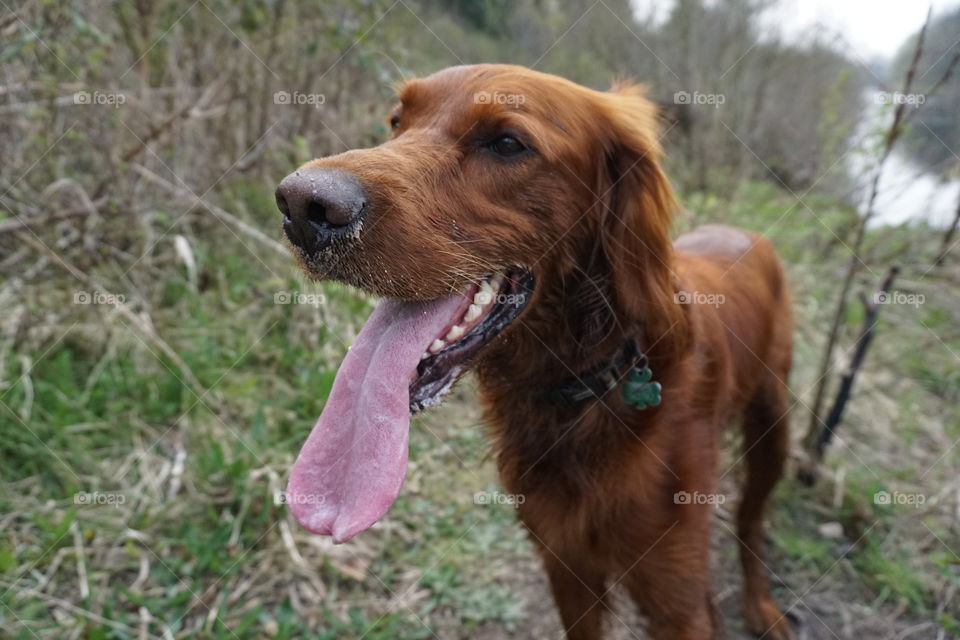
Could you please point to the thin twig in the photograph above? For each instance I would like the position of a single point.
(947, 242)
(222, 214)
(872, 307)
(890, 139)
(21, 222)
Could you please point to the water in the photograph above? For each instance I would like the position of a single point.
(907, 193)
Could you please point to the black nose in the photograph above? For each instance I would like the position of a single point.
(320, 204)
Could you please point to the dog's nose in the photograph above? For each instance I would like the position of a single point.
(319, 204)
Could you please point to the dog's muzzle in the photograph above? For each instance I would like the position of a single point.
(321, 206)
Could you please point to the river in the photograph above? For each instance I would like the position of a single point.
(907, 193)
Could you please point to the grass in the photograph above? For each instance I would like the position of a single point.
(137, 505)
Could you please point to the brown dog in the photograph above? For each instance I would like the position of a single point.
(517, 224)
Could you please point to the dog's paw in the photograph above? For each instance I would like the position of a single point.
(765, 619)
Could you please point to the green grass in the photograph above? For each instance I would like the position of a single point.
(92, 405)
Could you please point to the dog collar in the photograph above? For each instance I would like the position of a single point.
(629, 369)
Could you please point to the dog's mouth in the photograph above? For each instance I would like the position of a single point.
(406, 358)
(488, 308)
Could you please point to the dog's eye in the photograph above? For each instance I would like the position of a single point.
(394, 121)
(506, 146)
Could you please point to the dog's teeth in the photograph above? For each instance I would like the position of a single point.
(496, 281)
(455, 332)
(437, 345)
(473, 312)
(484, 296)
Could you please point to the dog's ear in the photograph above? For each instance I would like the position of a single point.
(636, 206)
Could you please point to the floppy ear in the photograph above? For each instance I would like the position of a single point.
(637, 205)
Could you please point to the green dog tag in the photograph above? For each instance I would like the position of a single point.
(639, 390)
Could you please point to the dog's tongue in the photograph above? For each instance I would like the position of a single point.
(351, 467)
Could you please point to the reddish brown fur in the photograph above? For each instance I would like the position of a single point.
(590, 213)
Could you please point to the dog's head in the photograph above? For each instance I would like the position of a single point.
(497, 183)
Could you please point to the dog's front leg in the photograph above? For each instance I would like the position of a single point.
(579, 595)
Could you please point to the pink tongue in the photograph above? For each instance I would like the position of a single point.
(351, 467)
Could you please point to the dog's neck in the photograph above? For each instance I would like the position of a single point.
(572, 327)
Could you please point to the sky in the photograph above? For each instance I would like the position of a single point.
(872, 28)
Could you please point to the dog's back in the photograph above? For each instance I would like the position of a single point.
(735, 277)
